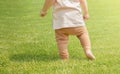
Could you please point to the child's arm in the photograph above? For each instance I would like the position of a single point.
(46, 6)
(85, 9)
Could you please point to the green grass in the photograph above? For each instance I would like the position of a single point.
(27, 42)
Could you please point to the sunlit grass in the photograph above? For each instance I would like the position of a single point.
(27, 42)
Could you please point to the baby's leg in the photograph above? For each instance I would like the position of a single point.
(85, 42)
(62, 41)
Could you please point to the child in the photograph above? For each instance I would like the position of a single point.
(68, 20)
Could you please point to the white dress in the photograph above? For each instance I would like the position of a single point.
(67, 13)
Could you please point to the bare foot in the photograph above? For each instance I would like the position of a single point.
(90, 55)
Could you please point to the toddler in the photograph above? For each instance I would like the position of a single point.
(68, 20)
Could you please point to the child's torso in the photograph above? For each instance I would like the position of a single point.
(66, 4)
(67, 13)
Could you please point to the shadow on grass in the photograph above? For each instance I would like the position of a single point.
(25, 57)
(33, 57)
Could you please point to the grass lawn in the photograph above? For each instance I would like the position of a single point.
(27, 42)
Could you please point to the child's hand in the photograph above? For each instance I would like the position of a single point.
(86, 16)
(42, 13)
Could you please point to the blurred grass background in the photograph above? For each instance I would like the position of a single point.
(27, 42)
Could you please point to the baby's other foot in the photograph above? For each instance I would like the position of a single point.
(90, 55)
